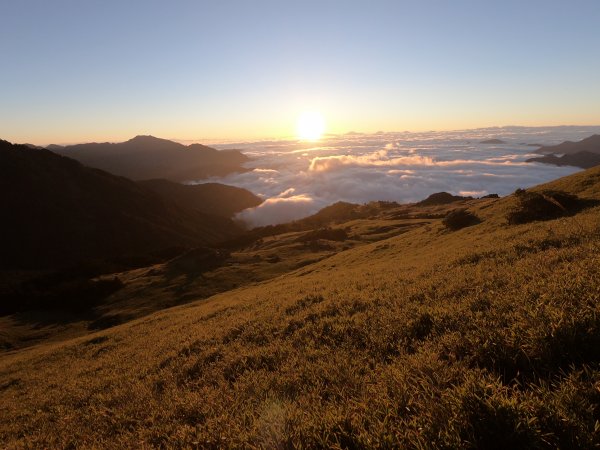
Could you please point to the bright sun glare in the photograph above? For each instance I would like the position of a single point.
(310, 126)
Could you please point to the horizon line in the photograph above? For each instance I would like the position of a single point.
(325, 136)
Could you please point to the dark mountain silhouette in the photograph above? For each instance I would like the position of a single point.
(58, 212)
(584, 153)
(441, 198)
(210, 198)
(583, 159)
(147, 157)
(590, 144)
(335, 212)
(492, 141)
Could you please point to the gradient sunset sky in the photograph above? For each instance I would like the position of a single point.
(80, 71)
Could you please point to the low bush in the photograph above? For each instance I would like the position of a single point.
(544, 205)
(460, 218)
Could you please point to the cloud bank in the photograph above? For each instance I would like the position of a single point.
(282, 208)
(297, 179)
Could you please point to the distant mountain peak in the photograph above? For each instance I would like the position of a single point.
(141, 137)
(584, 153)
(145, 157)
(147, 138)
(441, 198)
(590, 144)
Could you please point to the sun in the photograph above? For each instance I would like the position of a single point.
(310, 126)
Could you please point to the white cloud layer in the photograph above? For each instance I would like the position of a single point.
(279, 210)
(297, 179)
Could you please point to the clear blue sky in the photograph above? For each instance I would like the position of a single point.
(107, 70)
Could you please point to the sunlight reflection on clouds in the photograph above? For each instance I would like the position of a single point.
(297, 179)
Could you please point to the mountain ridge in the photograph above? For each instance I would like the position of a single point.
(583, 159)
(584, 153)
(208, 198)
(63, 212)
(146, 157)
(590, 144)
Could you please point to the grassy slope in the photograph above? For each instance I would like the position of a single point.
(488, 337)
(160, 286)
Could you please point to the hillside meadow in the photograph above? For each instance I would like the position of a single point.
(484, 337)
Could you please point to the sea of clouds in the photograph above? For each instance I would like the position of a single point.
(296, 179)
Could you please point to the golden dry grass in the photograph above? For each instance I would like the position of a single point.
(486, 337)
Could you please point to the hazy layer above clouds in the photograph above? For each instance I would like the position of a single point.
(296, 179)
